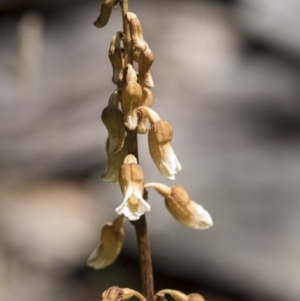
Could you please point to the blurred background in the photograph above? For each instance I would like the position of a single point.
(227, 78)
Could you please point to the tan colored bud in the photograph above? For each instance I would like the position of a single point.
(184, 210)
(179, 296)
(114, 163)
(105, 12)
(112, 238)
(112, 118)
(147, 97)
(131, 180)
(131, 98)
(146, 59)
(159, 137)
(117, 58)
(136, 32)
(114, 293)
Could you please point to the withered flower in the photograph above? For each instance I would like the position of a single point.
(112, 238)
(105, 12)
(184, 210)
(131, 98)
(131, 179)
(114, 163)
(112, 118)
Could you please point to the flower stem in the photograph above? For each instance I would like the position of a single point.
(141, 224)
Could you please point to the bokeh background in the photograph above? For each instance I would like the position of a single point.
(227, 78)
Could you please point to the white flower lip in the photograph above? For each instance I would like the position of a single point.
(133, 211)
(203, 219)
(170, 164)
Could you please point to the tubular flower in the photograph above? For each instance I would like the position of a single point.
(112, 117)
(184, 210)
(159, 137)
(114, 163)
(131, 179)
(131, 98)
(112, 238)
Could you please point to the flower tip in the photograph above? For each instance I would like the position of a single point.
(204, 218)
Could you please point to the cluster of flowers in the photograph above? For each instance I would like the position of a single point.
(129, 109)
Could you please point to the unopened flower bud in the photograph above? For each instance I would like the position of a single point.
(159, 137)
(114, 163)
(112, 118)
(146, 59)
(116, 57)
(136, 32)
(131, 98)
(112, 238)
(105, 12)
(179, 296)
(131, 179)
(184, 210)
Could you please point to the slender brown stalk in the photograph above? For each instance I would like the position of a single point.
(141, 224)
(144, 257)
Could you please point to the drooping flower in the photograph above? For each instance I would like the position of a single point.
(112, 238)
(184, 210)
(131, 179)
(160, 135)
